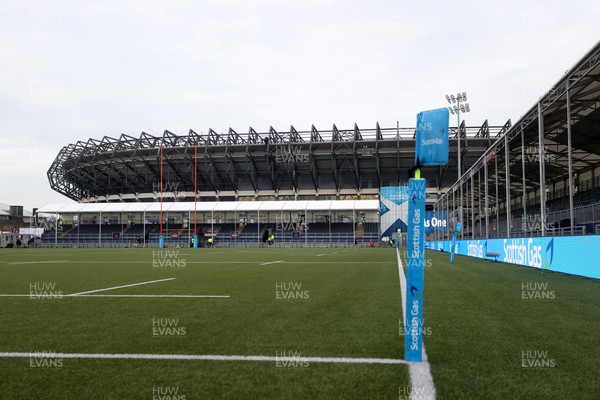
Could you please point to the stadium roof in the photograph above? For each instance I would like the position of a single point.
(208, 206)
(275, 163)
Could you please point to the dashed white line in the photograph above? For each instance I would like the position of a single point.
(272, 262)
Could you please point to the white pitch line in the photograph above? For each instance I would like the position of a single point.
(75, 263)
(122, 286)
(216, 296)
(134, 295)
(320, 255)
(421, 380)
(272, 262)
(36, 262)
(213, 357)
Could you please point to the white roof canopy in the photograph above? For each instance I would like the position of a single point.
(240, 206)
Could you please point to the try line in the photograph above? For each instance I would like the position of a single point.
(210, 357)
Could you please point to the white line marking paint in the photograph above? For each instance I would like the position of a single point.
(36, 262)
(134, 295)
(213, 357)
(367, 263)
(319, 255)
(75, 263)
(421, 380)
(208, 296)
(119, 287)
(272, 262)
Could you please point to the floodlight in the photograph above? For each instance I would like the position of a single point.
(461, 99)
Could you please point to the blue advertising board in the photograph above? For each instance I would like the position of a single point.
(432, 137)
(436, 221)
(393, 209)
(576, 255)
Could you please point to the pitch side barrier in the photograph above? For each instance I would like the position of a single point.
(575, 255)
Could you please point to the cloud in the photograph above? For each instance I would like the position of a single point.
(72, 71)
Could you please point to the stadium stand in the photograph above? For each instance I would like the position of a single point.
(541, 177)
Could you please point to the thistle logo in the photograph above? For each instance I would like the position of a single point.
(417, 200)
(414, 292)
(549, 254)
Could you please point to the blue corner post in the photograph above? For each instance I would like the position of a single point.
(431, 149)
(457, 229)
(415, 270)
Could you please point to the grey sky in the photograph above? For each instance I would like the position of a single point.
(74, 70)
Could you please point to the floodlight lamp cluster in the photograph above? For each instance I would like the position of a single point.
(458, 100)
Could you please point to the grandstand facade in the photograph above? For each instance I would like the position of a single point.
(317, 187)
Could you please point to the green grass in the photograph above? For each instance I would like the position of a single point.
(477, 325)
(351, 310)
(480, 325)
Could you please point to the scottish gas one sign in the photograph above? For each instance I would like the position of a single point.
(576, 255)
(436, 222)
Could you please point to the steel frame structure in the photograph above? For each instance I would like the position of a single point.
(273, 164)
(552, 152)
